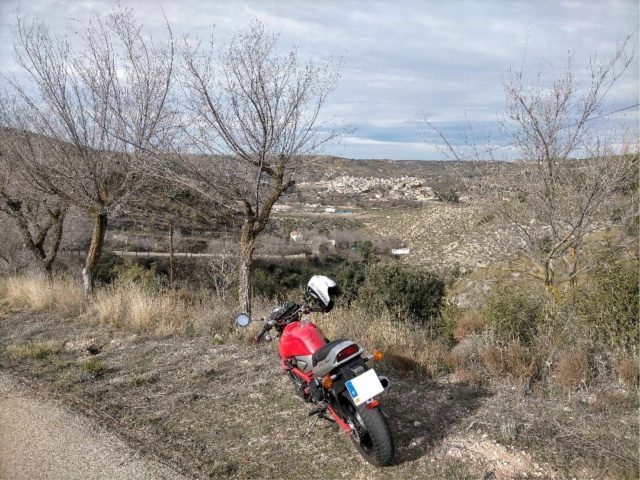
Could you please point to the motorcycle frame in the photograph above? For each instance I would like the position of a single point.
(345, 375)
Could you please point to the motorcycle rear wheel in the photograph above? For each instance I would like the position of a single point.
(373, 437)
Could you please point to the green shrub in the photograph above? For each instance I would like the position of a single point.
(367, 252)
(451, 316)
(273, 280)
(108, 267)
(264, 285)
(512, 315)
(350, 276)
(133, 273)
(607, 304)
(412, 295)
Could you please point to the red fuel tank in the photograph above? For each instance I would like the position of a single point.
(300, 338)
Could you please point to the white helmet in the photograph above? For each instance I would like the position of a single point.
(322, 290)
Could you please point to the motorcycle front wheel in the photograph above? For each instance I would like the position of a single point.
(373, 436)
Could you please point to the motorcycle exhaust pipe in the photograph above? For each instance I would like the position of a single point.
(384, 381)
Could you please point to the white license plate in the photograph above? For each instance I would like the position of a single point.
(364, 387)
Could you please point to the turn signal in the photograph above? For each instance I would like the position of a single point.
(327, 382)
(377, 355)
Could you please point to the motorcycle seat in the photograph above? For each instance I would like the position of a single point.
(323, 351)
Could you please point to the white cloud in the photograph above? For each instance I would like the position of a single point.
(401, 58)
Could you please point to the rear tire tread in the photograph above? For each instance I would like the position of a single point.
(383, 450)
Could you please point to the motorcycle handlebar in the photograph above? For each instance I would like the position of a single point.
(265, 329)
(274, 317)
(312, 310)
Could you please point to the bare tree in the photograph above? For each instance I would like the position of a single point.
(569, 173)
(13, 257)
(222, 270)
(38, 217)
(96, 105)
(255, 122)
(39, 220)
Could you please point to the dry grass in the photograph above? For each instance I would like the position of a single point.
(515, 361)
(406, 346)
(470, 323)
(494, 361)
(470, 377)
(35, 350)
(37, 293)
(132, 307)
(465, 361)
(520, 361)
(573, 369)
(629, 372)
(127, 305)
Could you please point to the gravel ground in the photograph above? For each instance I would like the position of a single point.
(40, 439)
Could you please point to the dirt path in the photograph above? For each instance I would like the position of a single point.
(40, 439)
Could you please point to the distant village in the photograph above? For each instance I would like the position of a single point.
(365, 189)
(320, 195)
(374, 189)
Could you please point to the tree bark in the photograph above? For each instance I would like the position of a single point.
(171, 257)
(57, 218)
(247, 246)
(93, 255)
(34, 234)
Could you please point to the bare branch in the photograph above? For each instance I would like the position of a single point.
(254, 117)
(550, 199)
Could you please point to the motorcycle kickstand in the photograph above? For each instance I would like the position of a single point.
(318, 412)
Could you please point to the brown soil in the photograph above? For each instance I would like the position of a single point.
(223, 408)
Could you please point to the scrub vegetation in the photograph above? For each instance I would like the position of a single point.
(519, 382)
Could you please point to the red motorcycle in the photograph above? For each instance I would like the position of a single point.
(333, 375)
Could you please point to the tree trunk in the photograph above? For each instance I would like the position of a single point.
(171, 257)
(34, 234)
(93, 255)
(549, 277)
(57, 219)
(247, 246)
(572, 262)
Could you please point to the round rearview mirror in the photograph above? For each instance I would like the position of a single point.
(243, 319)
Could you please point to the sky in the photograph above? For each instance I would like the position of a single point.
(402, 60)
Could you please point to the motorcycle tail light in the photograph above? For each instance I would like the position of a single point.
(347, 352)
(377, 355)
(327, 382)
